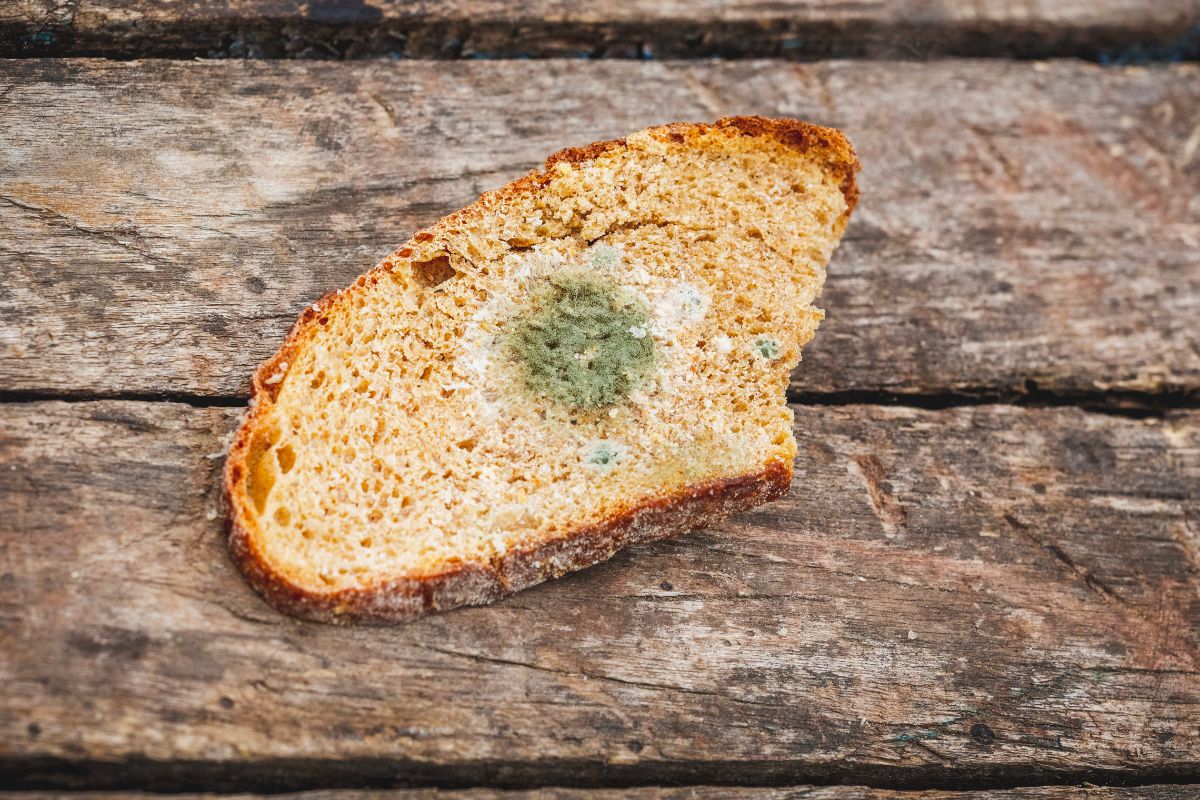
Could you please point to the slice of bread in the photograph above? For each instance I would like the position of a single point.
(592, 356)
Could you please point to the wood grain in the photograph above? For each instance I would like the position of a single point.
(804, 29)
(985, 594)
(162, 223)
(689, 793)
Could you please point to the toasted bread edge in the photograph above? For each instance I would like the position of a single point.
(404, 599)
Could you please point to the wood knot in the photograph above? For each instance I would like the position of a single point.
(982, 734)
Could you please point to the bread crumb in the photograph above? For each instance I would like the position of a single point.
(226, 443)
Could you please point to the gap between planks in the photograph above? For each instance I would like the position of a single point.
(709, 792)
(1136, 405)
(343, 780)
(284, 776)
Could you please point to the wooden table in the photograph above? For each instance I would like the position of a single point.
(985, 582)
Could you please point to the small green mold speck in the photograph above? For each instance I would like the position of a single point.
(604, 454)
(690, 300)
(767, 347)
(578, 343)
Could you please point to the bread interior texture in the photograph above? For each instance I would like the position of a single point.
(587, 340)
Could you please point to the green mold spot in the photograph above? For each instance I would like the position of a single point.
(767, 347)
(580, 345)
(604, 454)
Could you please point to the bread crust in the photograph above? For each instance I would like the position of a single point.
(660, 517)
(466, 584)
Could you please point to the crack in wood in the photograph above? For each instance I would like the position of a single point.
(1113, 402)
(582, 675)
(1090, 580)
(775, 559)
(55, 218)
(1099, 587)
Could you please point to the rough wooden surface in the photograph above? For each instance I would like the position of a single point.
(985, 593)
(162, 223)
(627, 29)
(689, 793)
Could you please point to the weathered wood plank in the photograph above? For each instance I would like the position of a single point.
(1162, 792)
(985, 593)
(161, 223)
(628, 29)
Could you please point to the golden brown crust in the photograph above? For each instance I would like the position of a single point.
(475, 584)
(468, 584)
(805, 137)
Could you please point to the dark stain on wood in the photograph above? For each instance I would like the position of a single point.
(114, 642)
(983, 734)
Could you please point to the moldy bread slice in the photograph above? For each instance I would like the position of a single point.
(594, 355)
